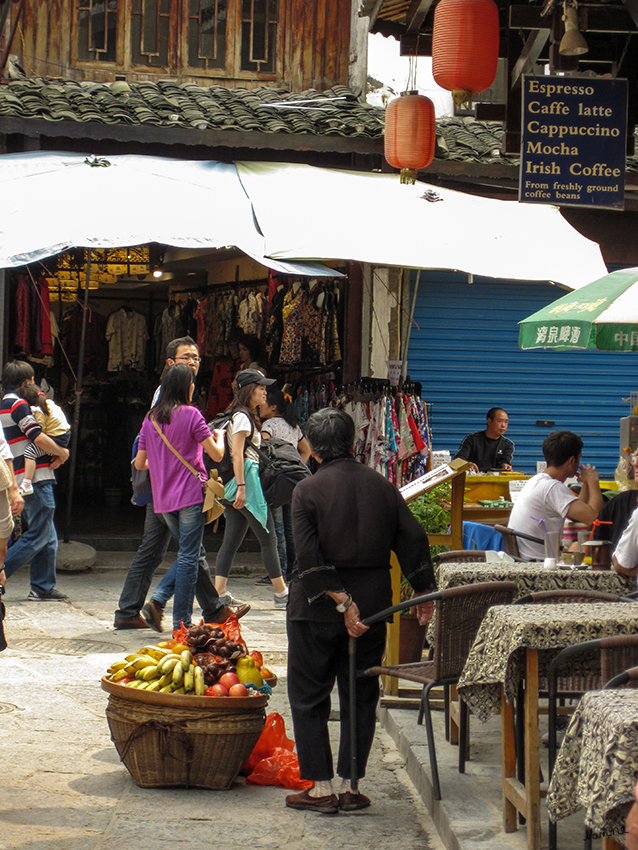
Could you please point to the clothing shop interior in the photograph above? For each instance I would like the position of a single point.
(141, 298)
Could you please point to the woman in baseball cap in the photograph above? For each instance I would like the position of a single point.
(244, 498)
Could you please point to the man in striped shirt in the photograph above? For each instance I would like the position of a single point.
(38, 545)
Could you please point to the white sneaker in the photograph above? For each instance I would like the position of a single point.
(25, 491)
(228, 599)
(281, 599)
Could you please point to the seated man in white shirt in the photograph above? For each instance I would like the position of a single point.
(625, 557)
(546, 496)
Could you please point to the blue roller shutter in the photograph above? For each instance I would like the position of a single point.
(465, 353)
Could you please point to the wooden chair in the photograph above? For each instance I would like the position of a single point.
(616, 654)
(510, 541)
(461, 556)
(459, 612)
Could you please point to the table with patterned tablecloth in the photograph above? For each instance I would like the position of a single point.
(498, 653)
(517, 642)
(597, 762)
(532, 577)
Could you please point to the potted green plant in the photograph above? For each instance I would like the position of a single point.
(432, 512)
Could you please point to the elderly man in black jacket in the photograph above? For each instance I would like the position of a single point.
(347, 519)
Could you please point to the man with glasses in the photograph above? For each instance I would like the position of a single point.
(133, 612)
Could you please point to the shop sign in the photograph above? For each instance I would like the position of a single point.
(573, 141)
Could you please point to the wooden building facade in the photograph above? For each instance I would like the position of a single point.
(295, 44)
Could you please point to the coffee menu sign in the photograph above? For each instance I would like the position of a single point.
(573, 141)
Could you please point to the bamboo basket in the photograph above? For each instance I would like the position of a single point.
(168, 740)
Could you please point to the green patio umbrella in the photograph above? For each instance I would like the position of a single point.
(603, 314)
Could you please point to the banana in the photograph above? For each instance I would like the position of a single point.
(167, 689)
(147, 674)
(179, 691)
(133, 657)
(155, 652)
(187, 659)
(154, 686)
(167, 665)
(143, 686)
(178, 675)
(167, 679)
(117, 665)
(144, 661)
(200, 684)
(120, 674)
(132, 684)
(189, 679)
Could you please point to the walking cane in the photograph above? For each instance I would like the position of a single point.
(352, 670)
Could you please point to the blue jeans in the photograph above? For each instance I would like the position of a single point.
(285, 541)
(150, 554)
(38, 545)
(187, 528)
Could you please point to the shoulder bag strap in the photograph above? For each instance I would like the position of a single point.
(175, 452)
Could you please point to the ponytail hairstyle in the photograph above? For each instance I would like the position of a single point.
(34, 397)
(282, 400)
(174, 392)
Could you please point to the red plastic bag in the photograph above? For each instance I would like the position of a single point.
(273, 761)
(271, 739)
(281, 768)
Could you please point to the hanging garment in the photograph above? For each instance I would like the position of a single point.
(293, 327)
(22, 340)
(127, 336)
(95, 347)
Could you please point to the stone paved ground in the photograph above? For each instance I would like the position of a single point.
(63, 786)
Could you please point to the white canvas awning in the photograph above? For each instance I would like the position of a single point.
(319, 213)
(281, 215)
(53, 201)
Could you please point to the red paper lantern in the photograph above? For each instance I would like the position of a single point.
(465, 39)
(410, 134)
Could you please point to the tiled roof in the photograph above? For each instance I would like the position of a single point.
(166, 104)
(467, 140)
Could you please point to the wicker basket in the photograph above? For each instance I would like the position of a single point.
(183, 741)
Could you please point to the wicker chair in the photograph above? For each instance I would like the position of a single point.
(553, 597)
(461, 556)
(616, 654)
(510, 542)
(459, 612)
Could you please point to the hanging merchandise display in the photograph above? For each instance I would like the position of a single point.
(127, 335)
(465, 44)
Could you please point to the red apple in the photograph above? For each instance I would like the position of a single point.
(216, 691)
(238, 690)
(228, 680)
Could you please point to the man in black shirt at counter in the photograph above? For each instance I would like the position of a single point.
(489, 449)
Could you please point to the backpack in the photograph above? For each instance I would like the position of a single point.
(224, 466)
(280, 469)
(140, 481)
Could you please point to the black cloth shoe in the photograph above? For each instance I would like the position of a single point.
(152, 614)
(350, 801)
(136, 623)
(328, 805)
(52, 596)
(228, 610)
(263, 582)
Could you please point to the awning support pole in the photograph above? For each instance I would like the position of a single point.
(75, 433)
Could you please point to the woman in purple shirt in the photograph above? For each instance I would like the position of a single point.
(178, 494)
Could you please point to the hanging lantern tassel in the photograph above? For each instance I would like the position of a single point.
(410, 134)
(465, 41)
